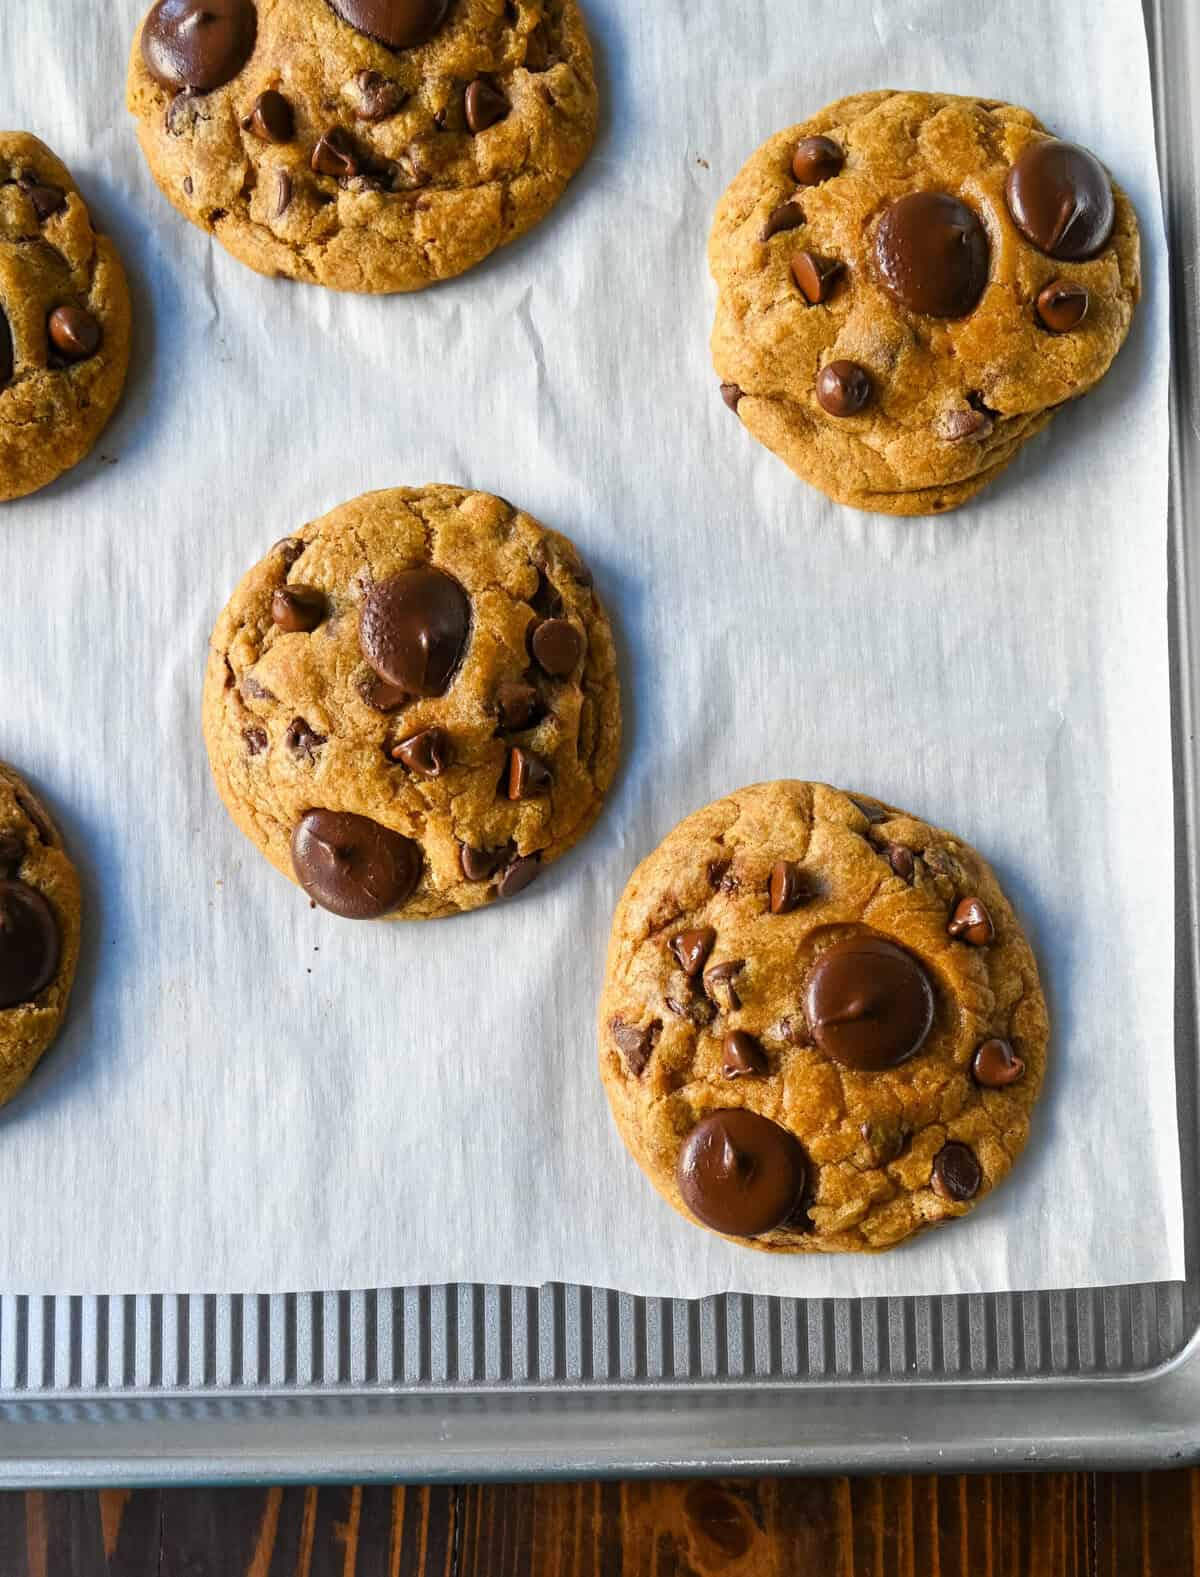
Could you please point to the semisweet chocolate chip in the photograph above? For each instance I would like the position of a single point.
(742, 1055)
(518, 705)
(966, 422)
(741, 1174)
(400, 24)
(816, 159)
(884, 1142)
(874, 812)
(7, 357)
(869, 1003)
(696, 1009)
(302, 739)
(815, 276)
(256, 740)
(414, 629)
(519, 875)
(47, 200)
(181, 114)
(484, 105)
(376, 96)
(426, 755)
(932, 253)
(996, 1065)
(901, 860)
(198, 44)
(843, 388)
(636, 1043)
(1062, 305)
(527, 775)
(731, 393)
(691, 949)
(352, 866)
(788, 887)
(253, 690)
(12, 852)
(942, 863)
(957, 1174)
(971, 923)
(283, 193)
(788, 216)
(30, 944)
(718, 873)
(289, 549)
(480, 865)
(335, 154)
(1061, 199)
(557, 647)
(718, 982)
(381, 696)
(298, 609)
(271, 117)
(793, 1031)
(73, 332)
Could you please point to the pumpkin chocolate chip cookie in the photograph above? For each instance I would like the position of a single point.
(821, 1026)
(910, 284)
(368, 145)
(39, 931)
(412, 705)
(64, 320)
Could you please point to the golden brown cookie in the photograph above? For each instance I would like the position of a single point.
(39, 931)
(64, 320)
(821, 1027)
(910, 284)
(412, 705)
(369, 145)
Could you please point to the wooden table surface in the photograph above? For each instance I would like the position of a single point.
(1053, 1525)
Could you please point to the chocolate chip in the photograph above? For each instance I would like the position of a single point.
(377, 96)
(30, 944)
(718, 982)
(484, 105)
(996, 1065)
(718, 873)
(788, 216)
(968, 422)
(815, 276)
(426, 755)
(816, 159)
(971, 923)
(1062, 305)
(519, 875)
(271, 118)
(199, 44)
(792, 1031)
(843, 388)
(697, 1010)
(527, 775)
(188, 188)
(251, 688)
(256, 740)
(518, 705)
(869, 1003)
(1061, 199)
(942, 863)
(957, 1174)
(400, 24)
(932, 253)
(636, 1044)
(73, 332)
(691, 949)
(182, 113)
(303, 740)
(352, 866)
(743, 1055)
(740, 1173)
(883, 1141)
(480, 865)
(414, 629)
(335, 154)
(283, 193)
(12, 852)
(731, 393)
(298, 609)
(47, 200)
(7, 359)
(901, 860)
(289, 549)
(788, 887)
(874, 812)
(379, 695)
(537, 50)
(557, 647)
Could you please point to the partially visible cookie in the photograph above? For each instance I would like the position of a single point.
(910, 284)
(39, 931)
(822, 1027)
(367, 145)
(64, 320)
(412, 705)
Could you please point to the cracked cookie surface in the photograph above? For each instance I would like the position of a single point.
(39, 931)
(64, 320)
(412, 705)
(372, 145)
(908, 290)
(822, 1027)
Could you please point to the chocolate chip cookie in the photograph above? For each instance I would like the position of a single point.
(821, 1026)
(412, 705)
(910, 284)
(64, 320)
(369, 145)
(39, 931)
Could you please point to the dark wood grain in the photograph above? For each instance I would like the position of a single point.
(1052, 1525)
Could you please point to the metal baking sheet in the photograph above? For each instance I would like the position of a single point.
(478, 1381)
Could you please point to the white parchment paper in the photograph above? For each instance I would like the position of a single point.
(254, 1096)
